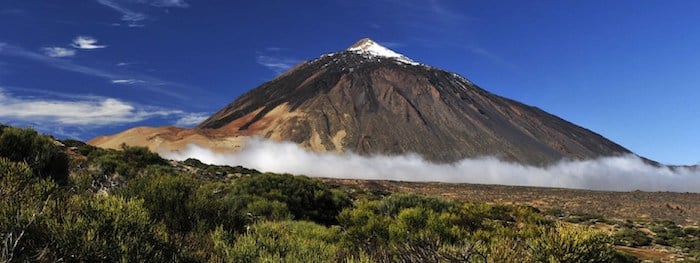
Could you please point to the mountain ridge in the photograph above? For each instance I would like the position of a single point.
(368, 100)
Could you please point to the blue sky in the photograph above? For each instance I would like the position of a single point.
(629, 70)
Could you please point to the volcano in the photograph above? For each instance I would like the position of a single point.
(369, 100)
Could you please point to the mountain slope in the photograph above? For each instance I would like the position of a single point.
(371, 100)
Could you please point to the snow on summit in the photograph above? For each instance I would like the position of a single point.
(369, 47)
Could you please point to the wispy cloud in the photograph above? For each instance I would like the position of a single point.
(191, 119)
(83, 111)
(168, 3)
(129, 16)
(58, 52)
(434, 24)
(12, 11)
(277, 64)
(86, 42)
(490, 56)
(127, 81)
(431, 17)
(149, 83)
(274, 59)
(136, 18)
(392, 44)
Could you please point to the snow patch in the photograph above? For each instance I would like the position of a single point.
(368, 47)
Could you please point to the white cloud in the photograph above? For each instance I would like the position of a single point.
(622, 173)
(58, 52)
(95, 111)
(83, 112)
(191, 119)
(86, 42)
(277, 64)
(127, 81)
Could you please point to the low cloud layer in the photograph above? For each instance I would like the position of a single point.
(624, 173)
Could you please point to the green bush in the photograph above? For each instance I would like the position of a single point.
(81, 147)
(402, 227)
(106, 229)
(394, 204)
(129, 162)
(219, 169)
(364, 228)
(306, 198)
(631, 238)
(217, 204)
(43, 155)
(166, 197)
(24, 201)
(571, 244)
(283, 241)
(668, 233)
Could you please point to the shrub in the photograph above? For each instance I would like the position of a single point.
(219, 169)
(570, 243)
(401, 228)
(81, 147)
(106, 229)
(129, 162)
(364, 228)
(217, 204)
(394, 204)
(141, 157)
(306, 198)
(41, 153)
(166, 198)
(24, 201)
(631, 238)
(284, 241)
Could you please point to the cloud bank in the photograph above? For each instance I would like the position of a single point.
(622, 173)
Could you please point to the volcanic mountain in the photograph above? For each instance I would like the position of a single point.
(371, 100)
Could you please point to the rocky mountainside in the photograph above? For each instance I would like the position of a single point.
(370, 100)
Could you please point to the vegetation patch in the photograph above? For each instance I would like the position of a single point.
(132, 206)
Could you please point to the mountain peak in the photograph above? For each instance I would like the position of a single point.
(367, 46)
